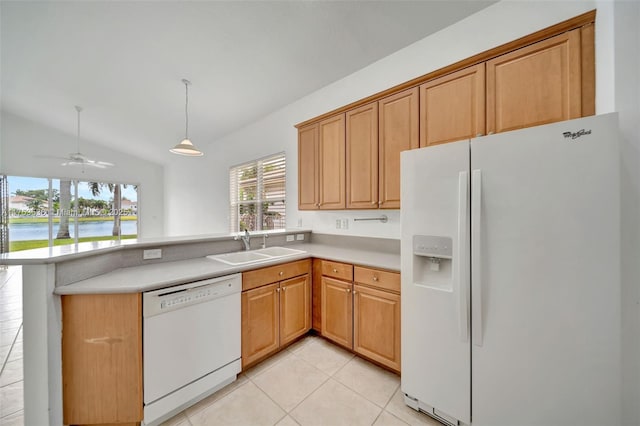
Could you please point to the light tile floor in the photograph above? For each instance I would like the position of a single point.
(313, 382)
(11, 379)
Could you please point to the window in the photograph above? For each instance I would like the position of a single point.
(43, 212)
(257, 194)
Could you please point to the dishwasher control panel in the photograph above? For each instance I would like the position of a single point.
(172, 298)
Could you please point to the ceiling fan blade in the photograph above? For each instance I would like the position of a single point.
(98, 164)
(51, 157)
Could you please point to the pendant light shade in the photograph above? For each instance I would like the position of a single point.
(186, 147)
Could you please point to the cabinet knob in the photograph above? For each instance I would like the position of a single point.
(284, 288)
(379, 202)
(335, 271)
(375, 278)
(277, 290)
(355, 292)
(348, 290)
(374, 202)
(281, 273)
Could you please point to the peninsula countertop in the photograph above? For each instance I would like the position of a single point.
(66, 252)
(160, 275)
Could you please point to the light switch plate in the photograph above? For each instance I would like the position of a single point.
(152, 254)
(290, 238)
(300, 237)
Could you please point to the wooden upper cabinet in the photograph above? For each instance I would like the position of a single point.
(308, 167)
(362, 157)
(452, 107)
(534, 85)
(102, 358)
(332, 163)
(398, 131)
(295, 308)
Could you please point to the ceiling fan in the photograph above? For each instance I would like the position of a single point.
(79, 159)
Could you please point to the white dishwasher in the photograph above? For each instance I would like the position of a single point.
(191, 343)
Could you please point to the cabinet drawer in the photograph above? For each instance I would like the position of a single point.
(377, 278)
(272, 274)
(342, 271)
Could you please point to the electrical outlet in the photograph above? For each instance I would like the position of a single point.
(345, 223)
(290, 238)
(300, 237)
(338, 224)
(152, 254)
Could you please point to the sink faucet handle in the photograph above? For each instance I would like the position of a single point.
(264, 240)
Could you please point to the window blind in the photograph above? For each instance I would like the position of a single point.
(257, 194)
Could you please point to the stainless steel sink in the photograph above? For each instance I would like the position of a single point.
(254, 256)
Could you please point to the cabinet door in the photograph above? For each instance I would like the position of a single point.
(376, 325)
(295, 308)
(362, 157)
(337, 311)
(452, 107)
(260, 323)
(332, 163)
(102, 358)
(535, 85)
(308, 167)
(398, 131)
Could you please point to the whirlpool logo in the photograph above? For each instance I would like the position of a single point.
(576, 135)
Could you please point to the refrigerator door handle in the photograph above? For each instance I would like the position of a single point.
(462, 272)
(476, 270)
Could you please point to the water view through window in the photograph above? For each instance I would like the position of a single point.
(44, 212)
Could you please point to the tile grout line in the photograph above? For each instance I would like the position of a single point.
(6, 360)
(11, 414)
(282, 408)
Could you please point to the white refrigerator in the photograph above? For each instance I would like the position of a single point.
(511, 277)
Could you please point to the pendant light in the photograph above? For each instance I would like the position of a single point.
(186, 146)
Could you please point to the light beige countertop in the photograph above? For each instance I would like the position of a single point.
(153, 276)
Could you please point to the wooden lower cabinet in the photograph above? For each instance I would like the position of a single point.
(295, 308)
(102, 359)
(376, 325)
(260, 322)
(360, 310)
(275, 314)
(337, 311)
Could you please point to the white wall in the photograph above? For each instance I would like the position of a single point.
(25, 146)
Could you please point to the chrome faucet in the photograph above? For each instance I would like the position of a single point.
(246, 239)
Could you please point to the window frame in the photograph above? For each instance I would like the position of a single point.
(261, 198)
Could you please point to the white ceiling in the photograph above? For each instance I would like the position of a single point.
(123, 61)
